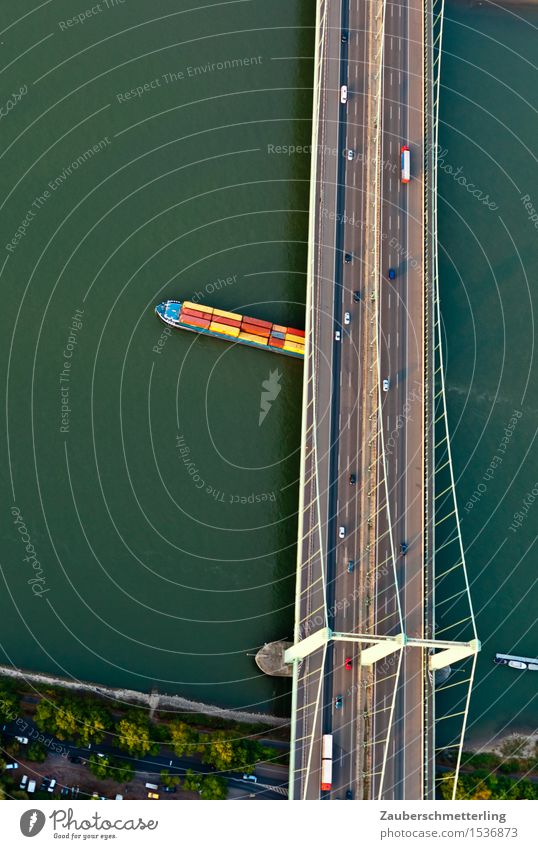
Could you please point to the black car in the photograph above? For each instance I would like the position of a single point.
(349, 794)
(356, 297)
(403, 548)
(169, 789)
(347, 257)
(353, 479)
(75, 759)
(344, 37)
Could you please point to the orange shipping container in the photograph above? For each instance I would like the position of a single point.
(195, 322)
(252, 328)
(250, 337)
(276, 343)
(280, 328)
(224, 328)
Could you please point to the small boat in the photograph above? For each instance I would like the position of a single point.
(516, 662)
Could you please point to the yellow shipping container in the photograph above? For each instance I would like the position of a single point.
(292, 346)
(225, 314)
(190, 306)
(299, 339)
(250, 337)
(224, 328)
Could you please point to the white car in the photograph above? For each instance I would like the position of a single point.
(14, 765)
(347, 318)
(337, 336)
(31, 786)
(386, 385)
(52, 785)
(24, 781)
(350, 154)
(23, 740)
(341, 532)
(343, 94)
(250, 778)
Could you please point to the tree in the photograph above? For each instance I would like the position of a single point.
(217, 750)
(192, 781)
(69, 718)
(36, 752)
(105, 766)
(134, 735)
(9, 703)
(169, 780)
(214, 787)
(184, 739)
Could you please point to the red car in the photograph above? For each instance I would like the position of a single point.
(349, 663)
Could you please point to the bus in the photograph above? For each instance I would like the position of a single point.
(406, 164)
(326, 761)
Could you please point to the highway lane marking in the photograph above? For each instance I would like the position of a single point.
(397, 343)
(388, 341)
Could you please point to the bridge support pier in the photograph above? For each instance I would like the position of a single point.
(451, 655)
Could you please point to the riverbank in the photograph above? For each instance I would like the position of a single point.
(499, 743)
(161, 702)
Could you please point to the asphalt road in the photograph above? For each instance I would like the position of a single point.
(402, 323)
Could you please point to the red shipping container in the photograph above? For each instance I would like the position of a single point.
(197, 313)
(276, 343)
(233, 322)
(197, 322)
(257, 321)
(295, 332)
(258, 331)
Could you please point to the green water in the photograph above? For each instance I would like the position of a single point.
(488, 262)
(162, 514)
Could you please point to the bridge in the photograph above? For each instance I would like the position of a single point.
(385, 643)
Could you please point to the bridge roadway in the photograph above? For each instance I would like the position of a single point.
(337, 426)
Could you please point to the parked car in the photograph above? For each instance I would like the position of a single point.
(403, 548)
(349, 794)
(23, 740)
(31, 786)
(24, 781)
(153, 795)
(343, 94)
(13, 765)
(344, 36)
(347, 257)
(52, 785)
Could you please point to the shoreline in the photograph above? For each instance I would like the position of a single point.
(154, 701)
(494, 743)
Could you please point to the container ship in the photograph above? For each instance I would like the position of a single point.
(232, 327)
